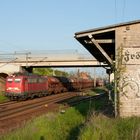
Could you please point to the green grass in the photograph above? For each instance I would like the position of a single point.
(99, 89)
(86, 121)
(49, 127)
(95, 91)
(103, 128)
(2, 97)
(58, 126)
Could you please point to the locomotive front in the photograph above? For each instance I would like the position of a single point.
(14, 86)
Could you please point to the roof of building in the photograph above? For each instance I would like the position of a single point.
(108, 27)
(100, 42)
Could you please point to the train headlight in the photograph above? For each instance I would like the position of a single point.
(9, 88)
(16, 88)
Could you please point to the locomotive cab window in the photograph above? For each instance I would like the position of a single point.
(9, 80)
(17, 80)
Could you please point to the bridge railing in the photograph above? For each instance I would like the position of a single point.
(44, 55)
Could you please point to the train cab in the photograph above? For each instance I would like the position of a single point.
(14, 86)
(24, 86)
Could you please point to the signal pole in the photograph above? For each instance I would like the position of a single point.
(94, 77)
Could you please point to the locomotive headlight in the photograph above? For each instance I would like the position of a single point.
(16, 88)
(9, 88)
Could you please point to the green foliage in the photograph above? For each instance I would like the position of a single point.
(102, 128)
(110, 86)
(61, 73)
(130, 127)
(119, 69)
(49, 127)
(43, 71)
(100, 90)
(2, 97)
(49, 72)
(83, 122)
(59, 126)
(98, 128)
(95, 91)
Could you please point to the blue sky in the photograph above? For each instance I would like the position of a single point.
(51, 24)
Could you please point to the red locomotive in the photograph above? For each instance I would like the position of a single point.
(22, 86)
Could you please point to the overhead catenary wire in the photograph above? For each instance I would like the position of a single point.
(115, 11)
(123, 10)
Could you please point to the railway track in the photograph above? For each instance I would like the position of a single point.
(83, 99)
(15, 113)
(20, 108)
(7, 103)
(10, 110)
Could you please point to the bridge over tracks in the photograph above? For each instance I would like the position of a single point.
(13, 62)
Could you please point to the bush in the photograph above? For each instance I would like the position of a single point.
(2, 97)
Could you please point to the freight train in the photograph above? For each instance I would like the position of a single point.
(20, 86)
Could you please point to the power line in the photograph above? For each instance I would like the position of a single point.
(115, 10)
(123, 10)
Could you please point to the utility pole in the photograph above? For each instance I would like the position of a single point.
(27, 56)
(94, 77)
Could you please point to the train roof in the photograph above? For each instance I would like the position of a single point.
(24, 74)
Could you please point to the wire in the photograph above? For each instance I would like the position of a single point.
(8, 62)
(115, 10)
(123, 10)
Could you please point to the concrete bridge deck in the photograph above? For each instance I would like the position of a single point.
(13, 62)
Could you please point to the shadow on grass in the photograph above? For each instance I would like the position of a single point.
(74, 133)
(42, 138)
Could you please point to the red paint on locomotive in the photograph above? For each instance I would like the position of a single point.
(25, 85)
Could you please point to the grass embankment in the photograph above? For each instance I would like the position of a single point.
(2, 97)
(86, 121)
(102, 128)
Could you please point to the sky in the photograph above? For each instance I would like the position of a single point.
(51, 24)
